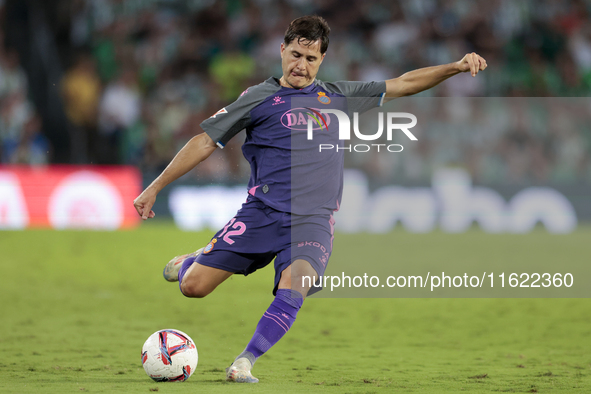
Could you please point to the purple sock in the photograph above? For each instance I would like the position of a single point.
(274, 324)
(186, 264)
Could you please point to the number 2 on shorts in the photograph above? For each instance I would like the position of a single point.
(240, 229)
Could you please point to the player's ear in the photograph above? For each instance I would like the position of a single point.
(282, 49)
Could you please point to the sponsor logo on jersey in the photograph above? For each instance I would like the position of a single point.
(323, 98)
(221, 111)
(210, 246)
(243, 93)
(324, 253)
(297, 119)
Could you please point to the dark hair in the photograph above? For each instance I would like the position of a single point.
(308, 29)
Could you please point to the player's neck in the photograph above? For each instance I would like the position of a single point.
(286, 84)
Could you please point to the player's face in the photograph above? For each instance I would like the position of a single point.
(300, 63)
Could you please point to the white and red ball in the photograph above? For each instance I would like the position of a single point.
(169, 356)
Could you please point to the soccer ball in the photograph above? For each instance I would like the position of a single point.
(169, 356)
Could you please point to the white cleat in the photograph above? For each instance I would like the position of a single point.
(171, 270)
(239, 372)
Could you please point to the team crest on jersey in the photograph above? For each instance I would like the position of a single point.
(209, 246)
(323, 98)
(221, 111)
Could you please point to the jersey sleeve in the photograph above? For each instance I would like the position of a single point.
(362, 96)
(230, 120)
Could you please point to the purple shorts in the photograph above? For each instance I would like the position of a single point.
(258, 233)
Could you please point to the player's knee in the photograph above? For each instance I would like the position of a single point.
(194, 289)
(303, 283)
(300, 276)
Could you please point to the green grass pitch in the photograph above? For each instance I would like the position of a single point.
(76, 308)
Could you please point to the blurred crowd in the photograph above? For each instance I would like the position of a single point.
(142, 74)
(499, 141)
(21, 136)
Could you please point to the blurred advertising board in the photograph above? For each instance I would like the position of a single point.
(450, 204)
(69, 197)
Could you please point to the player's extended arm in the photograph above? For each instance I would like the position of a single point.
(194, 152)
(416, 81)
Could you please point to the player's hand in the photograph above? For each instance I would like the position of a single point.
(143, 204)
(472, 62)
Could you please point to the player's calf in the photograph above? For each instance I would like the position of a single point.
(197, 280)
(193, 289)
(274, 323)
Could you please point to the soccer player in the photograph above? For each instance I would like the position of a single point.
(275, 222)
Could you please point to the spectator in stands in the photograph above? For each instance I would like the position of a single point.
(15, 111)
(119, 109)
(32, 148)
(81, 89)
(12, 76)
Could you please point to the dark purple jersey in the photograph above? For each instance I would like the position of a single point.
(288, 172)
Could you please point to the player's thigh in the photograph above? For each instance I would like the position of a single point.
(200, 280)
